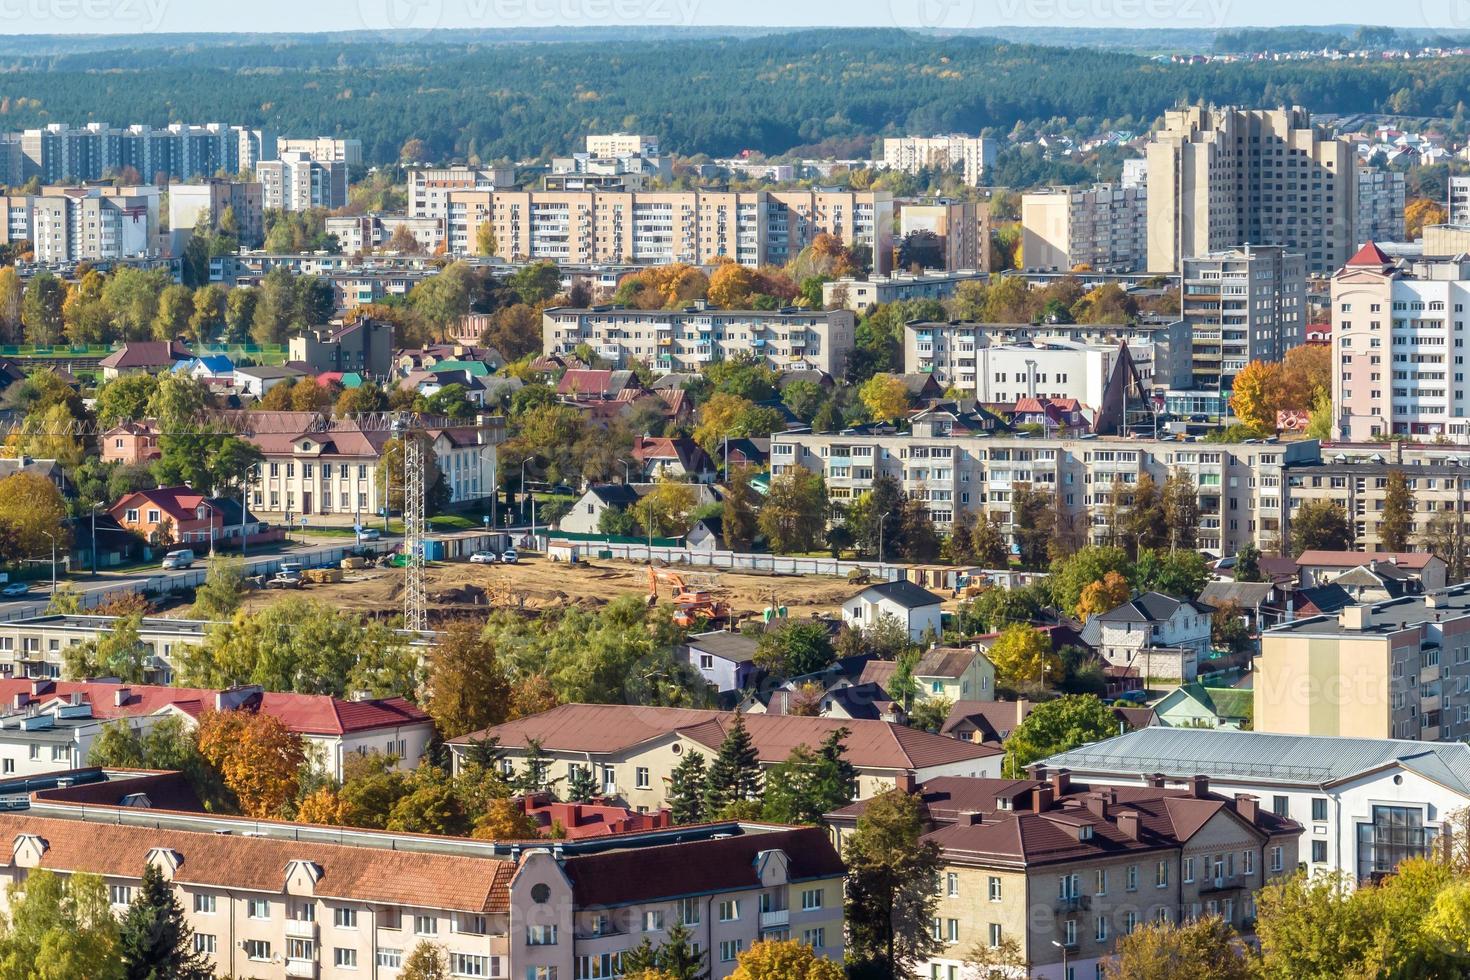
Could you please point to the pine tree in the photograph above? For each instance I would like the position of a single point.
(154, 940)
(678, 957)
(686, 789)
(581, 787)
(735, 775)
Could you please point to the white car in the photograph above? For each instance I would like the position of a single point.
(482, 558)
(369, 534)
(508, 556)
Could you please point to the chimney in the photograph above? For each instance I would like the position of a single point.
(1061, 783)
(1156, 780)
(40, 687)
(906, 781)
(1097, 805)
(1041, 799)
(972, 819)
(1199, 786)
(1021, 704)
(1128, 824)
(120, 696)
(1355, 617)
(1247, 806)
(1039, 772)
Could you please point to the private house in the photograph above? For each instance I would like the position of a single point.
(51, 469)
(1261, 603)
(707, 534)
(586, 513)
(208, 369)
(143, 357)
(130, 443)
(993, 721)
(182, 515)
(632, 749)
(258, 379)
(1323, 567)
(915, 608)
(364, 346)
(724, 659)
(675, 458)
(1195, 706)
(955, 673)
(1153, 634)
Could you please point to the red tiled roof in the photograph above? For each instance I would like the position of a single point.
(1370, 255)
(178, 503)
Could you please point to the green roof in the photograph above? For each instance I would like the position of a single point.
(477, 369)
(1232, 702)
(578, 538)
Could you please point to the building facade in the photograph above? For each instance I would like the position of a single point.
(1219, 177)
(1103, 228)
(300, 182)
(1381, 199)
(369, 232)
(75, 224)
(327, 149)
(1241, 305)
(860, 295)
(188, 203)
(429, 187)
(973, 155)
(60, 152)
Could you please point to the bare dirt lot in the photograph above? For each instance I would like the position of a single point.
(537, 584)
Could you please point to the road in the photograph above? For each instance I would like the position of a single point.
(312, 554)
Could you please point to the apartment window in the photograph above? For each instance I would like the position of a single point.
(1131, 878)
(344, 958)
(815, 938)
(994, 889)
(389, 958)
(689, 912)
(952, 884)
(1069, 932)
(120, 894)
(995, 935)
(425, 925)
(468, 924)
(1276, 859)
(204, 943)
(1100, 882)
(1280, 805)
(1247, 862)
(730, 910)
(303, 912)
(952, 930)
(35, 752)
(1102, 929)
(1188, 870)
(1319, 852)
(540, 973)
(258, 908)
(204, 904)
(390, 918)
(1161, 874)
(541, 935)
(469, 965)
(653, 921)
(811, 898)
(257, 949)
(641, 778)
(1130, 922)
(730, 948)
(344, 918)
(1319, 808)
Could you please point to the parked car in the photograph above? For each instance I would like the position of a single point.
(509, 556)
(15, 589)
(182, 558)
(369, 534)
(482, 558)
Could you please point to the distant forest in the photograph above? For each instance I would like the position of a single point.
(714, 95)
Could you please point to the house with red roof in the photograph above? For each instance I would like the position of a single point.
(182, 515)
(143, 357)
(130, 443)
(678, 458)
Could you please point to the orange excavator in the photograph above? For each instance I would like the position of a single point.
(690, 605)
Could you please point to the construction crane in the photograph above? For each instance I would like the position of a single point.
(690, 604)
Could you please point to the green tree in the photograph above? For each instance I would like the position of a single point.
(1248, 563)
(1181, 510)
(223, 589)
(581, 785)
(795, 649)
(120, 653)
(1034, 525)
(686, 790)
(175, 309)
(735, 774)
(41, 309)
(892, 886)
(1396, 524)
(166, 745)
(125, 398)
(679, 956)
(60, 928)
(443, 300)
(426, 962)
(1320, 525)
(1181, 574)
(988, 542)
(468, 688)
(1206, 949)
(208, 318)
(809, 784)
(738, 510)
(1071, 575)
(1057, 726)
(795, 512)
(155, 940)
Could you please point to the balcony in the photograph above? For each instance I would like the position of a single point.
(778, 919)
(301, 968)
(1074, 903)
(1431, 702)
(1214, 885)
(1429, 674)
(300, 929)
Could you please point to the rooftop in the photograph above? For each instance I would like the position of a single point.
(1383, 618)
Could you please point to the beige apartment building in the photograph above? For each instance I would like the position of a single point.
(1066, 869)
(951, 466)
(1103, 228)
(687, 340)
(660, 227)
(74, 224)
(271, 900)
(601, 145)
(1221, 177)
(963, 228)
(974, 155)
(1393, 669)
(429, 187)
(631, 750)
(327, 149)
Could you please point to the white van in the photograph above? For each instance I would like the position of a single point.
(183, 558)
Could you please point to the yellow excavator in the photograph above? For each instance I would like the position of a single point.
(690, 605)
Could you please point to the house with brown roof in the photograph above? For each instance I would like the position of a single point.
(1315, 567)
(182, 515)
(955, 673)
(632, 749)
(1065, 869)
(679, 458)
(143, 357)
(276, 899)
(130, 443)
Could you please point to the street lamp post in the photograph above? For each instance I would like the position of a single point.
(1061, 946)
(52, 537)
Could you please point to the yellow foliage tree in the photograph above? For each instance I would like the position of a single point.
(666, 509)
(323, 806)
(1254, 396)
(258, 757)
(731, 286)
(717, 417)
(1421, 211)
(1305, 377)
(1023, 657)
(1109, 592)
(784, 959)
(504, 819)
(885, 397)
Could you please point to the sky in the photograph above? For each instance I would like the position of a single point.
(137, 16)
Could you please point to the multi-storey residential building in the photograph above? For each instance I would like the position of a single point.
(429, 187)
(1367, 803)
(963, 228)
(631, 751)
(188, 204)
(975, 155)
(334, 469)
(74, 224)
(1103, 228)
(1089, 373)
(1135, 174)
(327, 149)
(1218, 177)
(861, 295)
(1238, 484)
(299, 182)
(621, 145)
(1398, 332)
(271, 899)
(654, 228)
(1394, 669)
(1066, 869)
(687, 339)
(60, 152)
(1381, 199)
(1242, 305)
(366, 232)
(1458, 212)
(1160, 351)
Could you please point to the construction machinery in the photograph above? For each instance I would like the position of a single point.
(690, 604)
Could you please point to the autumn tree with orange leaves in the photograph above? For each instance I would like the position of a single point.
(258, 756)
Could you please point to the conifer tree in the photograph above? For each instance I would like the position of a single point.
(735, 775)
(686, 789)
(154, 940)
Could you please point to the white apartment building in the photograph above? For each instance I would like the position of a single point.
(366, 232)
(1219, 177)
(72, 224)
(326, 149)
(1242, 305)
(753, 228)
(860, 295)
(686, 340)
(1381, 199)
(1239, 484)
(188, 202)
(621, 145)
(60, 152)
(1135, 174)
(1398, 336)
(1458, 212)
(1104, 228)
(1005, 373)
(300, 182)
(429, 187)
(975, 155)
